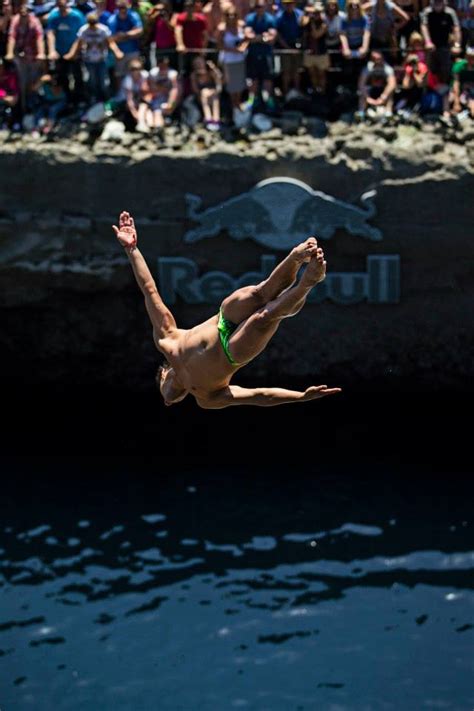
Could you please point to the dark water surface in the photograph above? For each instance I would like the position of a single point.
(130, 584)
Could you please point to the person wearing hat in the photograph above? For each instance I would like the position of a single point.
(315, 58)
(463, 83)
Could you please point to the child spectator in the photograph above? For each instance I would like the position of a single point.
(315, 58)
(233, 51)
(416, 45)
(52, 100)
(463, 83)
(206, 84)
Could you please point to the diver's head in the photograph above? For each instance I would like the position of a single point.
(170, 387)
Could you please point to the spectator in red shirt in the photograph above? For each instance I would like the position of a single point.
(26, 48)
(162, 33)
(191, 31)
(9, 93)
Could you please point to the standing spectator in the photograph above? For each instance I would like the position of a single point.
(102, 13)
(385, 17)
(206, 84)
(316, 58)
(463, 83)
(84, 7)
(467, 24)
(94, 41)
(214, 12)
(126, 28)
(6, 13)
(289, 38)
(9, 93)
(190, 31)
(438, 24)
(261, 32)
(41, 9)
(334, 18)
(377, 84)
(26, 48)
(61, 33)
(162, 31)
(412, 9)
(233, 51)
(355, 40)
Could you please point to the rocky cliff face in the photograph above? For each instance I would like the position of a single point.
(71, 313)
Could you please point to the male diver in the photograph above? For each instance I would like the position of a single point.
(201, 361)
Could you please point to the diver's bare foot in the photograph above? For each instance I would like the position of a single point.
(315, 271)
(303, 252)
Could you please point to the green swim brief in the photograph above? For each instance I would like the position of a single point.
(226, 329)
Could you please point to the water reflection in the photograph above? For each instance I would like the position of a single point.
(224, 594)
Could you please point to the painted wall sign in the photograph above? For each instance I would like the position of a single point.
(279, 213)
(179, 277)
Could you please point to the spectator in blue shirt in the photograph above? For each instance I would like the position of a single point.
(260, 31)
(289, 38)
(84, 7)
(126, 28)
(61, 33)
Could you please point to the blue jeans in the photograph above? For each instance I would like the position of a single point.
(96, 82)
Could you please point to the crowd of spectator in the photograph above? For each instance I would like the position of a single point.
(156, 62)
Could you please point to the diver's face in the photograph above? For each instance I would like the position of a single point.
(170, 388)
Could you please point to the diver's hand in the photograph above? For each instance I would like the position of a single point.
(126, 232)
(317, 391)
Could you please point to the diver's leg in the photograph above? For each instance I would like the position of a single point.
(245, 301)
(251, 337)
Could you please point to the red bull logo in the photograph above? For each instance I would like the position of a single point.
(281, 212)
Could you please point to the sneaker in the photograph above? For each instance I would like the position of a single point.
(213, 126)
(247, 105)
(142, 127)
(271, 103)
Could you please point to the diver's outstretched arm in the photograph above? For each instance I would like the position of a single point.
(264, 397)
(160, 315)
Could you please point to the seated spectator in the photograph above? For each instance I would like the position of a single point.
(233, 52)
(377, 84)
(261, 33)
(463, 84)
(334, 18)
(206, 84)
(126, 28)
(355, 39)
(289, 30)
(161, 30)
(414, 83)
(132, 88)
(159, 97)
(94, 41)
(190, 32)
(9, 93)
(438, 24)
(315, 57)
(385, 17)
(61, 32)
(52, 100)
(26, 48)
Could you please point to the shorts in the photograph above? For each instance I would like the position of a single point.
(226, 328)
(318, 61)
(291, 63)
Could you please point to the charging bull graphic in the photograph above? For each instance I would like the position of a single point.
(279, 213)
